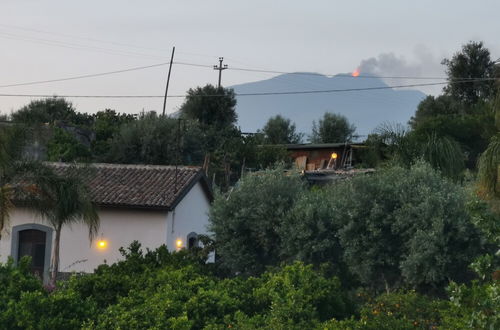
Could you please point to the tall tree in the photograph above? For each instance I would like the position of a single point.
(489, 169)
(406, 147)
(49, 111)
(10, 143)
(404, 227)
(153, 139)
(280, 130)
(332, 128)
(211, 106)
(246, 220)
(68, 201)
(472, 62)
(107, 123)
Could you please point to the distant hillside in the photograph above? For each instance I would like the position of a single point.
(366, 109)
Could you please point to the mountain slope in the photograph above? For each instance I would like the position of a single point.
(366, 109)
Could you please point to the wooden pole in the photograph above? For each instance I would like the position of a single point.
(168, 81)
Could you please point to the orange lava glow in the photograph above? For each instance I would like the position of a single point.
(355, 73)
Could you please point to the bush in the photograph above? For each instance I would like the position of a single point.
(246, 220)
(25, 304)
(404, 228)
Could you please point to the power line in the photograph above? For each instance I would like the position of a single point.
(86, 76)
(70, 45)
(239, 94)
(100, 40)
(210, 66)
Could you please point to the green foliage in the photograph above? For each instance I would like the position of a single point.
(406, 147)
(25, 304)
(280, 130)
(489, 169)
(50, 110)
(16, 279)
(310, 231)
(297, 295)
(246, 224)
(153, 139)
(332, 128)
(107, 123)
(64, 147)
(65, 199)
(404, 227)
(473, 61)
(414, 309)
(432, 107)
(162, 290)
(204, 105)
(40, 310)
(476, 306)
(485, 219)
(472, 131)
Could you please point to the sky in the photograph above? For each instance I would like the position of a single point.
(44, 40)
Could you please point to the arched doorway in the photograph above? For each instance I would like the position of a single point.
(33, 240)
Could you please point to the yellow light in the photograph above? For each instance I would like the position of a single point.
(102, 244)
(334, 155)
(178, 243)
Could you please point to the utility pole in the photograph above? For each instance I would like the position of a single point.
(168, 81)
(220, 68)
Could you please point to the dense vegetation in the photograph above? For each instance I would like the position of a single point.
(413, 245)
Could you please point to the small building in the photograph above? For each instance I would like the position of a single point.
(314, 156)
(154, 205)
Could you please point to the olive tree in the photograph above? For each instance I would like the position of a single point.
(246, 220)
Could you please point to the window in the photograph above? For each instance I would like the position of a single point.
(192, 240)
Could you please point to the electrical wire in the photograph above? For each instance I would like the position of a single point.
(211, 66)
(86, 76)
(239, 94)
(120, 44)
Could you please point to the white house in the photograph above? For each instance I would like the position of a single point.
(154, 205)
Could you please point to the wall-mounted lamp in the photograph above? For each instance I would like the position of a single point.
(179, 244)
(102, 244)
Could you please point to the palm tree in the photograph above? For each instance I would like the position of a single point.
(67, 200)
(405, 147)
(488, 169)
(12, 140)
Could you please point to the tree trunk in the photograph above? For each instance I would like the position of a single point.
(55, 257)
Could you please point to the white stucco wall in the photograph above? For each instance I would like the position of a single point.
(190, 215)
(119, 227)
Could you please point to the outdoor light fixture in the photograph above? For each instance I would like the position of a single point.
(102, 244)
(334, 155)
(178, 243)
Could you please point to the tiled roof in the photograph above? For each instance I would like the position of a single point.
(139, 186)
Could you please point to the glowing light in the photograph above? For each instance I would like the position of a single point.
(334, 155)
(355, 73)
(178, 243)
(102, 244)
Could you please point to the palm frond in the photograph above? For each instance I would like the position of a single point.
(489, 163)
(444, 154)
(5, 206)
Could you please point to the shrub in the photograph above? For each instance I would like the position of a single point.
(246, 220)
(404, 227)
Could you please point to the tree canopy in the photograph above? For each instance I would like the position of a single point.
(472, 62)
(280, 130)
(210, 106)
(50, 110)
(332, 128)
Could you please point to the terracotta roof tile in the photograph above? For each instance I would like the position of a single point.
(142, 186)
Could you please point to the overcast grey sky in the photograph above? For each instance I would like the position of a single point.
(404, 38)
